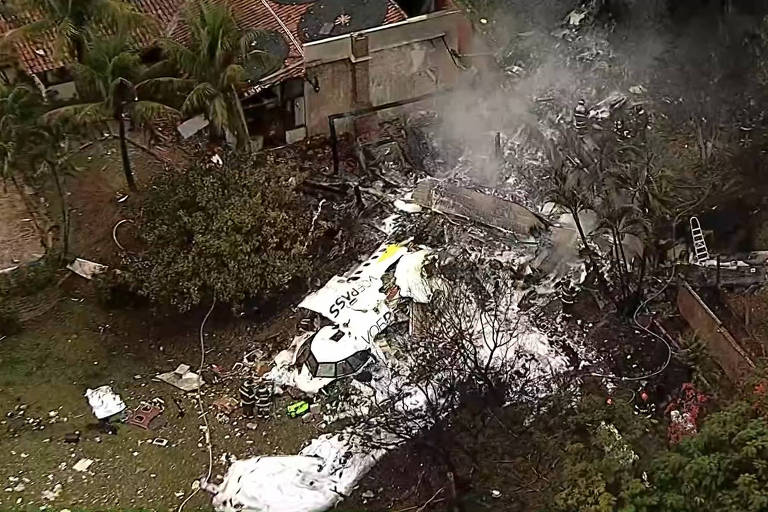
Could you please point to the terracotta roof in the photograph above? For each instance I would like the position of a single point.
(36, 57)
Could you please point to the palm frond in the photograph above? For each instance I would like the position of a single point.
(233, 75)
(199, 99)
(79, 115)
(218, 114)
(145, 113)
(166, 88)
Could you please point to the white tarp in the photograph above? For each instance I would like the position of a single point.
(104, 402)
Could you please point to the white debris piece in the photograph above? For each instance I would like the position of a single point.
(407, 207)
(182, 378)
(410, 279)
(104, 402)
(82, 465)
(85, 268)
(576, 16)
(52, 494)
(312, 481)
(192, 125)
(389, 224)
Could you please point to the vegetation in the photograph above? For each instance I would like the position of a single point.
(214, 66)
(232, 233)
(20, 108)
(113, 86)
(73, 23)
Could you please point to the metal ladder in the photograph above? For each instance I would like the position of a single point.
(699, 244)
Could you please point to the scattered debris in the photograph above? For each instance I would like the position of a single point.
(104, 402)
(225, 404)
(72, 437)
(182, 378)
(82, 465)
(52, 494)
(143, 415)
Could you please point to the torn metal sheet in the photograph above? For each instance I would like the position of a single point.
(86, 269)
(409, 277)
(344, 298)
(191, 126)
(104, 402)
(477, 206)
(313, 481)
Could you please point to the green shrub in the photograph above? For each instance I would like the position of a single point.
(27, 279)
(236, 232)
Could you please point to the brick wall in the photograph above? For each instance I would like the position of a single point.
(720, 343)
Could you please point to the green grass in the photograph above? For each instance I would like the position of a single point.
(49, 366)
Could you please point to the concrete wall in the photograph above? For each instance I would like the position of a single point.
(721, 345)
(405, 60)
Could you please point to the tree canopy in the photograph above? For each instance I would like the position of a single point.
(233, 232)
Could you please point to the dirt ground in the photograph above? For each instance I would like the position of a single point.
(19, 238)
(45, 371)
(98, 196)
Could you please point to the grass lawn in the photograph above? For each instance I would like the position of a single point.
(78, 345)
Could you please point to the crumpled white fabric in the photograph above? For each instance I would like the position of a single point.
(104, 402)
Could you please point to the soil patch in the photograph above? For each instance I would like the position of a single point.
(19, 237)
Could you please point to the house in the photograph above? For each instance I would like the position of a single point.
(339, 55)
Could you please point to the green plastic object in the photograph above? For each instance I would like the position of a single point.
(297, 409)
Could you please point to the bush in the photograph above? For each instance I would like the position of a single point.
(28, 279)
(237, 232)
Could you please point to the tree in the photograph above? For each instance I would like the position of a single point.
(112, 84)
(70, 22)
(215, 64)
(234, 232)
(20, 110)
(571, 182)
(722, 468)
(464, 351)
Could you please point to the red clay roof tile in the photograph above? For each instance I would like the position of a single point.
(39, 56)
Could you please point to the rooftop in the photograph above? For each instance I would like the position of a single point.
(297, 21)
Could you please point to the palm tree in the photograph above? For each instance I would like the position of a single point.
(215, 65)
(69, 22)
(20, 108)
(113, 86)
(26, 143)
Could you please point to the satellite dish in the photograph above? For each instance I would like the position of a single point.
(329, 18)
(266, 55)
